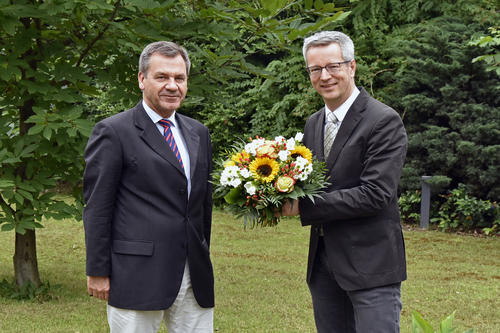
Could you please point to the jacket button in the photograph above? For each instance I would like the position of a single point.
(182, 191)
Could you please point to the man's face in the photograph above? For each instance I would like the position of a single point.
(335, 88)
(164, 86)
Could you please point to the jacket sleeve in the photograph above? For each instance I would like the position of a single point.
(207, 218)
(103, 158)
(375, 187)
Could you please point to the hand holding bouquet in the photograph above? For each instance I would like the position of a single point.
(258, 177)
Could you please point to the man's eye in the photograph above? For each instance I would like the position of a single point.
(315, 69)
(334, 67)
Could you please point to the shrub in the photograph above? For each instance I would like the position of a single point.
(409, 206)
(459, 210)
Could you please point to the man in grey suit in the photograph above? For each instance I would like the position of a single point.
(356, 254)
(149, 205)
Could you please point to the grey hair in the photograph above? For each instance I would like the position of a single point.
(324, 38)
(167, 49)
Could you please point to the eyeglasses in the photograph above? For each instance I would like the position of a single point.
(332, 68)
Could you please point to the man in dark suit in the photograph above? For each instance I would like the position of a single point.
(356, 255)
(149, 205)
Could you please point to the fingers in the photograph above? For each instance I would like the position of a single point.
(100, 294)
(98, 287)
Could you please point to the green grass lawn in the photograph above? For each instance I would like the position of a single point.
(260, 280)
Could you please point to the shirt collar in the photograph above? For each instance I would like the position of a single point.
(155, 117)
(341, 111)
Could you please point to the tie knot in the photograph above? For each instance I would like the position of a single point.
(166, 123)
(331, 117)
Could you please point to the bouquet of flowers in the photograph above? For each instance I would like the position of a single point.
(258, 176)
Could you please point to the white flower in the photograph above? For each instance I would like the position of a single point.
(251, 147)
(283, 155)
(290, 144)
(299, 136)
(303, 176)
(279, 139)
(230, 177)
(245, 173)
(300, 163)
(251, 189)
(235, 182)
(308, 169)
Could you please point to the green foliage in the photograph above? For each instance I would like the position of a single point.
(450, 110)
(461, 211)
(28, 291)
(409, 207)
(277, 104)
(492, 44)
(420, 325)
(61, 61)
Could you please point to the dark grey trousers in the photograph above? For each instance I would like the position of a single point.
(361, 311)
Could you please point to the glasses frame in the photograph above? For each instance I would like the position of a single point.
(333, 71)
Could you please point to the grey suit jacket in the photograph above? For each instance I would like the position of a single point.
(140, 226)
(359, 211)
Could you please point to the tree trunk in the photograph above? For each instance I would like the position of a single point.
(25, 261)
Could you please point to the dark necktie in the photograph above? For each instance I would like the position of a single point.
(169, 137)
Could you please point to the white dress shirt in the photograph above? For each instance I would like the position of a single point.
(341, 111)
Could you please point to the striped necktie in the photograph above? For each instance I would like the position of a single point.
(331, 130)
(169, 137)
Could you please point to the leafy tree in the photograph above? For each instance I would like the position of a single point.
(450, 109)
(492, 43)
(65, 64)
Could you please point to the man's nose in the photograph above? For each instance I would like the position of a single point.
(170, 84)
(325, 75)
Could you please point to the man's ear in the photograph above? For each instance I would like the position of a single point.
(140, 78)
(353, 67)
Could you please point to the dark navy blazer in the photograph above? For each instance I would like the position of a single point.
(140, 226)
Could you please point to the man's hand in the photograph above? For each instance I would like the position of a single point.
(290, 208)
(98, 286)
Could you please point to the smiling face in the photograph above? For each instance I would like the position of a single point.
(334, 88)
(164, 85)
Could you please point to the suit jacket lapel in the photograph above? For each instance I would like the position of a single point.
(351, 120)
(319, 127)
(153, 138)
(192, 141)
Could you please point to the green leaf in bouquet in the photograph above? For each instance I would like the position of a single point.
(234, 196)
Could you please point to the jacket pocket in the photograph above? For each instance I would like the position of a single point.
(138, 248)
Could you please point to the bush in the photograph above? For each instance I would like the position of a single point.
(455, 210)
(450, 113)
(409, 206)
(462, 211)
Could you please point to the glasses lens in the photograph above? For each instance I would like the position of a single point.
(314, 71)
(333, 68)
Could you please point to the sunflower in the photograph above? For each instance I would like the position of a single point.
(240, 157)
(302, 151)
(264, 169)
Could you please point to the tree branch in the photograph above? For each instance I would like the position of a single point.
(377, 73)
(99, 35)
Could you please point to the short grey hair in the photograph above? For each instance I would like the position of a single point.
(167, 49)
(324, 38)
